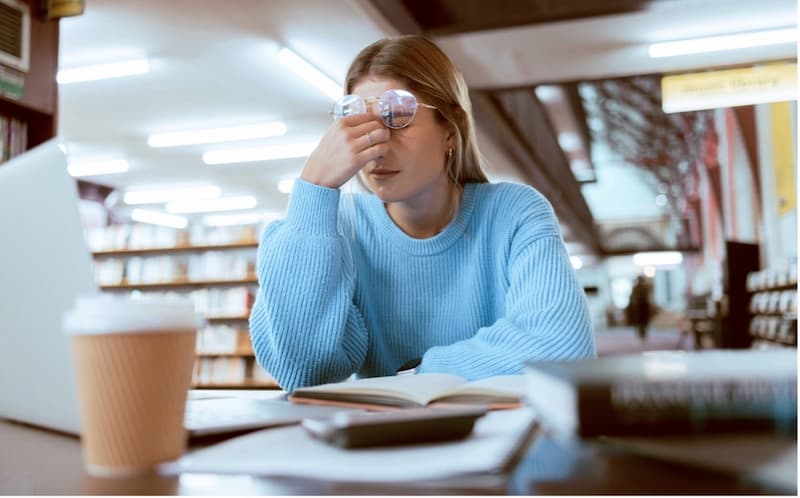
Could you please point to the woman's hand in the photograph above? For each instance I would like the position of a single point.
(349, 144)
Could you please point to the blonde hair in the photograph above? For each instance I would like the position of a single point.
(428, 73)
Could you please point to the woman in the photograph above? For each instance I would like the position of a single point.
(435, 263)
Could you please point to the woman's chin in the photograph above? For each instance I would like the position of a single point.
(386, 193)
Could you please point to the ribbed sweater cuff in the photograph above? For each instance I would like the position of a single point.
(313, 208)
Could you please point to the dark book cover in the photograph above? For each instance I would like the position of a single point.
(666, 393)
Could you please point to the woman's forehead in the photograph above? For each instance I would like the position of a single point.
(375, 86)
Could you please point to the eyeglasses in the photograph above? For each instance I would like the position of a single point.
(396, 108)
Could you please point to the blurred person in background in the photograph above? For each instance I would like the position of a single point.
(639, 306)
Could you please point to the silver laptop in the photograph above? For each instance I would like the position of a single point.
(44, 265)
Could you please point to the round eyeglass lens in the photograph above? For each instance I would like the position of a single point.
(349, 105)
(397, 108)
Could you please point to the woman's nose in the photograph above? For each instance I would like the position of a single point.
(373, 109)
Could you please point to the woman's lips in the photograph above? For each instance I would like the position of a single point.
(382, 174)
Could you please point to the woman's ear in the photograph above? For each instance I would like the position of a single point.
(450, 136)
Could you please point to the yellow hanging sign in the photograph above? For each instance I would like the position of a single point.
(729, 87)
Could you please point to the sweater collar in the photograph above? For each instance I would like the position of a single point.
(432, 245)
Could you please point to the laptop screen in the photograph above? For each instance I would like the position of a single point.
(44, 265)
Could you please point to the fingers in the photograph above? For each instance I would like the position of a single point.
(375, 137)
(367, 136)
(357, 119)
(357, 128)
(371, 154)
(363, 131)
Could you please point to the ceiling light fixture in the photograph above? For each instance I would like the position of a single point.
(723, 42)
(310, 73)
(98, 168)
(103, 71)
(209, 205)
(215, 135)
(548, 93)
(224, 220)
(579, 164)
(165, 195)
(569, 141)
(664, 258)
(158, 218)
(268, 153)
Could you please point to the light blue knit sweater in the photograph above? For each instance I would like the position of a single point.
(344, 290)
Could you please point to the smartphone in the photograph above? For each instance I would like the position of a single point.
(409, 426)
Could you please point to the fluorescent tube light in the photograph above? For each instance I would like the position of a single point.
(158, 218)
(580, 164)
(548, 93)
(215, 135)
(207, 205)
(569, 141)
(309, 73)
(103, 71)
(268, 153)
(724, 42)
(224, 220)
(98, 168)
(285, 186)
(166, 195)
(666, 258)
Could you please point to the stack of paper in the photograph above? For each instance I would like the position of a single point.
(495, 441)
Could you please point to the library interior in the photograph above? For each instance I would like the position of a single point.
(663, 134)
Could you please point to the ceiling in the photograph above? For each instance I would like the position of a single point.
(215, 64)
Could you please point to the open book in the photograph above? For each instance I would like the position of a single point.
(406, 391)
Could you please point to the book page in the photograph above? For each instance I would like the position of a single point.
(501, 388)
(419, 388)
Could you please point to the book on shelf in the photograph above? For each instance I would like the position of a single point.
(668, 393)
(13, 137)
(219, 371)
(407, 391)
(139, 236)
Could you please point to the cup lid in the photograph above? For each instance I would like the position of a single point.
(99, 313)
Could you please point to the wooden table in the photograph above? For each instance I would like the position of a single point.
(39, 462)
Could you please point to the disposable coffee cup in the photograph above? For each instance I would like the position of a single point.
(133, 363)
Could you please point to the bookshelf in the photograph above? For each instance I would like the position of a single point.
(181, 283)
(183, 248)
(29, 99)
(215, 268)
(773, 304)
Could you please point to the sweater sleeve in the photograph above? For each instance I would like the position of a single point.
(546, 314)
(304, 327)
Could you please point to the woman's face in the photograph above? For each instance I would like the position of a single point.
(413, 169)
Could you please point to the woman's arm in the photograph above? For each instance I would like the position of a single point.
(547, 317)
(304, 327)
